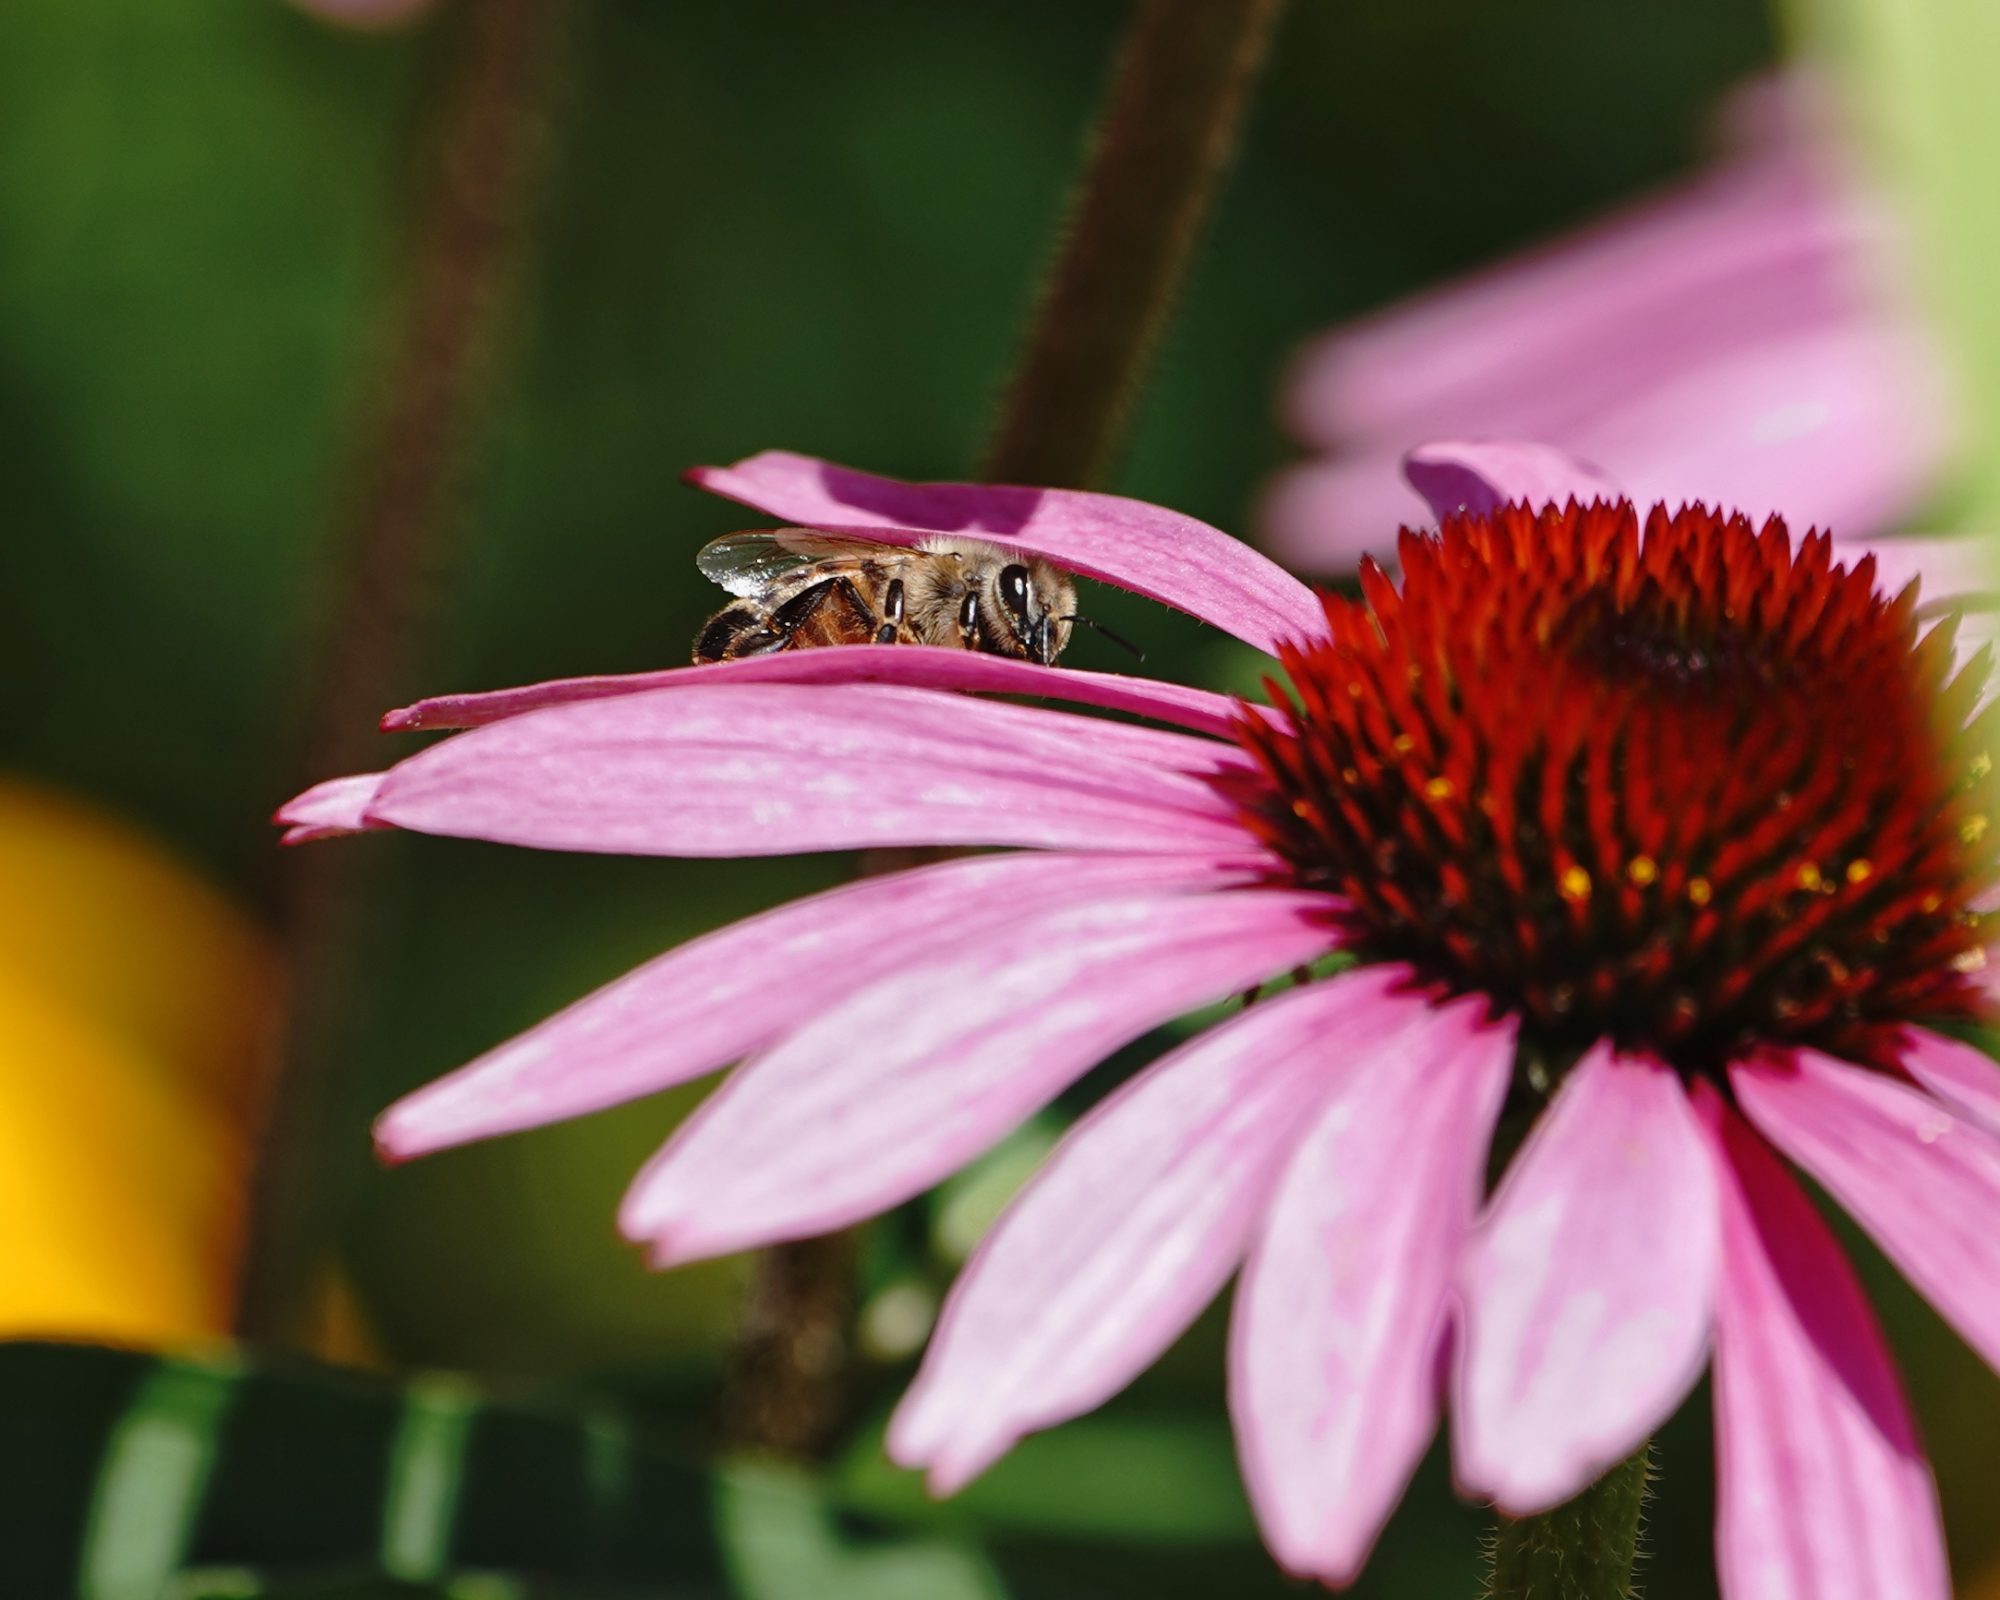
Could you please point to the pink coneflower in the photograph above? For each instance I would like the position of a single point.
(1750, 336)
(1668, 821)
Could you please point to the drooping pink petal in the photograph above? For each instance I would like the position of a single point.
(874, 1100)
(1334, 1342)
(925, 666)
(1587, 1287)
(1963, 1076)
(1925, 1184)
(1706, 266)
(1481, 476)
(1748, 341)
(739, 989)
(1147, 549)
(1132, 1226)
(340, 805)
(1823, 1491)
(769, 769)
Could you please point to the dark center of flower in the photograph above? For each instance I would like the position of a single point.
(1690, 790)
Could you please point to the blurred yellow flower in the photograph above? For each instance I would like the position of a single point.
(135, 1004)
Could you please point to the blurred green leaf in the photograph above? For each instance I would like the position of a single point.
(1147, 1479)
(784, 1544)
(125, 1476)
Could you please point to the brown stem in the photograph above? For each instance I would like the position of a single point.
(1171, 114)
(480, 162)
(786, 1389)
(1177, 95)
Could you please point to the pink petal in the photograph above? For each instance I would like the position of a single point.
(1341, 1312)
(340, 805)
(1963, 1076)
(1587, 1287)
(741, 988)
(1132, 1226)
(875, 1100)
(1144, 548)
(769, 769)
(1482, 476)
(925, 666)
(1823, 1491)
(1924, 1184)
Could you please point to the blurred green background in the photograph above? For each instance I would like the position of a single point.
(765, 224)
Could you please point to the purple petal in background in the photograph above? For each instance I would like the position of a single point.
(1587, 1287)
(873, 1101)
(1334, 1342)
(1145, 548)
(1132, 1226)
(1823, 1491)
(1746, 341)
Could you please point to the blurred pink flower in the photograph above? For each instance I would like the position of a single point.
(1746, 339)
(1661, 818)
(367, 14)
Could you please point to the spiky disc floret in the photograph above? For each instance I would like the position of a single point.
(1692, 790)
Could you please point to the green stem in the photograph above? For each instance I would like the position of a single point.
(1585, 1549)
(1176, 101)
(479, 167)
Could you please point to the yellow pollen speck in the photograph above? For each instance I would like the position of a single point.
(1404, 744)
(1642, 870)
(1700, 890)
(1930, 903)
(1808, 878)
(1574, 884)
(1973, 960)
(1860, 870)
(1354, 689)
(1981, 764)
(1440, 789)
(1302, 809)
(1972, 829)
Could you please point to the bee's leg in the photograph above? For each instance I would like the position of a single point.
(735, 631)
(968, 620)
(892, 613)
(790, 619)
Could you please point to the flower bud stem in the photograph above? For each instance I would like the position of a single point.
(1585, 1549)
(1171, 116)
(481, 162)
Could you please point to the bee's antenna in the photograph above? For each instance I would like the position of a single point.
(1118, 639)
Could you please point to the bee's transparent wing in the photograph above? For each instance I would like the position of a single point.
(747, 564)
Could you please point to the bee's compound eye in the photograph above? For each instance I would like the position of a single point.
(1014, 590)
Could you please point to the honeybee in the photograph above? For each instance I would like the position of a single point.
(798, 588)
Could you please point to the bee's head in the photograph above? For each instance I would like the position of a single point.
(1031, 604)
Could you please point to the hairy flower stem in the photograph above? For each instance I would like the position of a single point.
(1585, 1549)
(478, 173)
(1171, 115)
(1175, 104)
